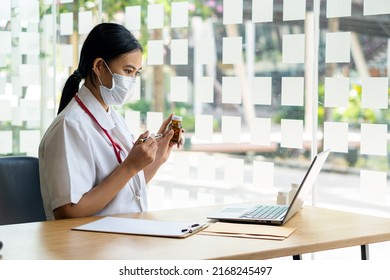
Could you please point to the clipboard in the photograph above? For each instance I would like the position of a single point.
(143, 227)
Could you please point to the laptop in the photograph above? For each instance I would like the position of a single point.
(274, 214)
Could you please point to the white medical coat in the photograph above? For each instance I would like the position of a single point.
(75, 155)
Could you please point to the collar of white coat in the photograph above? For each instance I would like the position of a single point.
(97, 110)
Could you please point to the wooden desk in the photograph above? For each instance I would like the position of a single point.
(317, 229)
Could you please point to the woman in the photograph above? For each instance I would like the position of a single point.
(89, 162)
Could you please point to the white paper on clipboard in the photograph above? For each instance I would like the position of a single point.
(143, 227)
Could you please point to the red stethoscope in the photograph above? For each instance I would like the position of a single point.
(117, 148)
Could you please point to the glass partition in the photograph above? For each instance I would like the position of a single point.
(261, 85)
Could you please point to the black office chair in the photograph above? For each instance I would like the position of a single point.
(20, 193)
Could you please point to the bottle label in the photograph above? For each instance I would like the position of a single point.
(176, 127)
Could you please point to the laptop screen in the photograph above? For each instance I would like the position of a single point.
(307, 183)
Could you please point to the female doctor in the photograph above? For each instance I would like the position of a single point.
(89, 163)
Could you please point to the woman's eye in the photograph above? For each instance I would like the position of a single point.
(132, 72)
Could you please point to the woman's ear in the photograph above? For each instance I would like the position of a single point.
(97, 66)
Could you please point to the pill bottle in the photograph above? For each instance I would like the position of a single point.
(293, 191)
(176, 126)
(282, 198)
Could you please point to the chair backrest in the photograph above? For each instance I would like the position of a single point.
(20, 192)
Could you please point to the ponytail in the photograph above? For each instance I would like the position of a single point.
(70, 89)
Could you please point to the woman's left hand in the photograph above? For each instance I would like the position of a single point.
(164, 148)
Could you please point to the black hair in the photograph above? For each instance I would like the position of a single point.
(107, 41)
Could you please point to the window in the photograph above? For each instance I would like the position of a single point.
(261, 85)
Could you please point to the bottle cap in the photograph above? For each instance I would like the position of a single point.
(282, 193)
(294, 185)
(177, 118)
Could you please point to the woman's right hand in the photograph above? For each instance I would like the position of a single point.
(142, 154)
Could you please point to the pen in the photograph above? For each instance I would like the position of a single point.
(155, 137)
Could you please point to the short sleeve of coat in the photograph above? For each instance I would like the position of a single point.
(68, 156)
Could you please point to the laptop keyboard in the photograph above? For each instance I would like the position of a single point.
(265, 212)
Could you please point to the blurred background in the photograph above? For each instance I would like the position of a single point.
(262, 86)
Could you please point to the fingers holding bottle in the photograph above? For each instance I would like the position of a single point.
(164, 147)
(164, 126)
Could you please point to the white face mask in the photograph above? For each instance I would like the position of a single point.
(122, 89)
